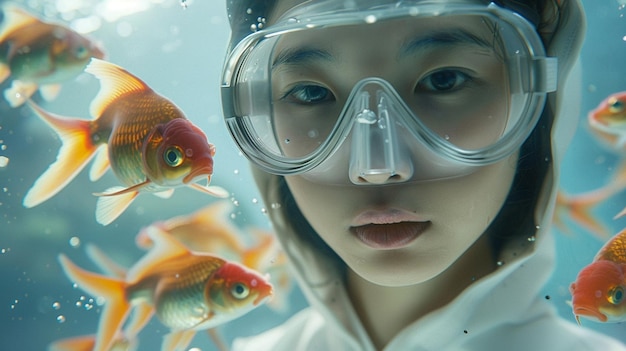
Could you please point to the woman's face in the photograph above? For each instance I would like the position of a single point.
(404, 232)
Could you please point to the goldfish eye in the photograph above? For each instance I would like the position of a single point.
(81, 52)
(616, 106)
(173, 156)
(240, 291)
(616, 294)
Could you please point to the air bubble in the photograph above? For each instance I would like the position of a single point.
(61, 318)
(254, 200)
(4, 161)
(74, 242)
(56, 305)
(275, 206)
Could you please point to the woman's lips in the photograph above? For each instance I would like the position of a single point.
(388, 229)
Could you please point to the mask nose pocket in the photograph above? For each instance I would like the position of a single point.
(376, 155)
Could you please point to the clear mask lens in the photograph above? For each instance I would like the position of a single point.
(402, 96)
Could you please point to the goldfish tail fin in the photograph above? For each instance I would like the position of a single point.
(177, 340)
(19, 93)
(105, 263)
(111, 206)
(113, 290)
(100, 163)
(114, 81)
(217, 339)
(77, 343)
(76, 150)
(622, 213)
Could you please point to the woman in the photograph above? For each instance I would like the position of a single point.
(407, 151)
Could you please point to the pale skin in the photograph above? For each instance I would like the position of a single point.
(392, 287)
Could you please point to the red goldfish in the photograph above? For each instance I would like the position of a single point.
(599, 290)
(144, 138)
(38, 54)
(608, 121)
(209, 230)
(187, 292)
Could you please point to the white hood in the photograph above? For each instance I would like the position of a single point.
(497, 305)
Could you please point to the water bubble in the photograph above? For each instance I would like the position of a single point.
(74, 242)
(287, 141)
(56, 305)
(370, 19)
(264, 210)
(78, 304)
(236, 171)
(532, 238)
(249, 11)
(184, 4)
(233, 216)
(236, 202)
(253, 27)
(313, 133)
(4, 161)
(61, 318)
(88, 306)
(500, 263)
(254, 200)
(275, 205)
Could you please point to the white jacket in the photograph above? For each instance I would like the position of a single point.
(502, 311)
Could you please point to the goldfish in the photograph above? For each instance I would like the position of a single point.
(599, 290)
(187, 291)
(40, 55)
(143, 137)
(210, 230)
(608, 121)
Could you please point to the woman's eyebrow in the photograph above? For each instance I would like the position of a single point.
(437, 39)
(300, 56)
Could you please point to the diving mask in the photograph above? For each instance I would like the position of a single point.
(344, 92)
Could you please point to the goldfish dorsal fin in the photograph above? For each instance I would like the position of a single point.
(164, 247)
(14, 18)
(115, 81)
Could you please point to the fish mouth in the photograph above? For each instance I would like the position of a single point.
(197, 173)
(588, 312)
(265, 293)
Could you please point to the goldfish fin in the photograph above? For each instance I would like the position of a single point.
(114, 82)
(50, 92)
(113, 203)
(165, 194)
(116, 308)
(5, 72)
(142, 313)
(177, 340)
(118, 190)
(14, 18)
(163, 248)
(254, 257)
(622, 213)
(106, 264)
(211, 190)
(19, 93)
(100, 163)
(217, 339)
(76, 150)
(77, 343)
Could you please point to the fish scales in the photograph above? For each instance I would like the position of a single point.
(177, 290)
(614, 250)
(130, 118)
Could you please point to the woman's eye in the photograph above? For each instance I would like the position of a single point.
(443, 81)
(308, 94)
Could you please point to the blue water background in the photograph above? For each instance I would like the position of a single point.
(179, 53)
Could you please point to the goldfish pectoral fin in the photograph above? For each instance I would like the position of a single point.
(164, 247)
(19, 93)
(114, 82)
(165, 194)
(142, 313)
(212, 190)
(217, 339)
(77, 343)
(112, 204)
(76, 150)
(105, 263)
(5, 72)
(100, 163)
(177, 340)
(50, 92)
(116, 307)
(118, 190)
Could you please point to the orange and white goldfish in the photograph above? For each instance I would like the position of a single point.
(210, 230)
(599, 292)
(187, 291)
(143, 137)
(608, 121)
(39, 55)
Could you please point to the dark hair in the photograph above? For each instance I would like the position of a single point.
(516, 218)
